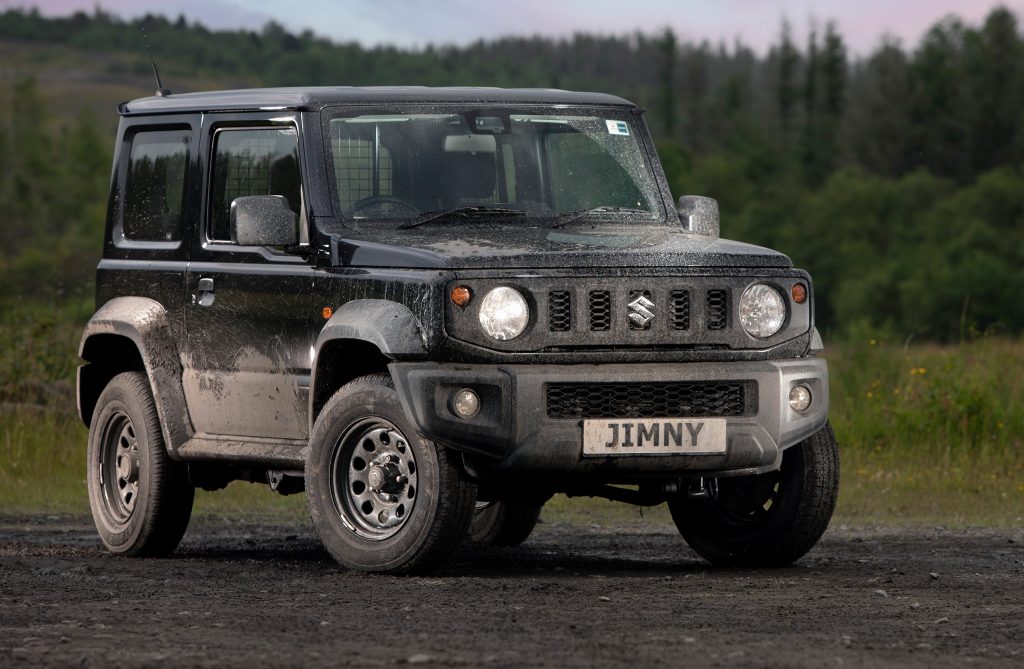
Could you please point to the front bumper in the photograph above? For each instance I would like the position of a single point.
(513, 434)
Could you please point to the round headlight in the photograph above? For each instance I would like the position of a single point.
(762, 310)
(504, 313)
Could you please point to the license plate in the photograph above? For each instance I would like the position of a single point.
(677, 436)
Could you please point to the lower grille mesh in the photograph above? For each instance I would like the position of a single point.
(650, 400)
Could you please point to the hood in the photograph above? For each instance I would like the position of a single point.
(601, 245)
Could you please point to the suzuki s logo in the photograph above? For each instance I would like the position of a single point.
(640, 311)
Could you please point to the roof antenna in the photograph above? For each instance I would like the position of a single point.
(160, 90)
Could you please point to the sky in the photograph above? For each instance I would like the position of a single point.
(415, 23)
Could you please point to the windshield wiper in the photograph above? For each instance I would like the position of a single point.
(464, 211)
(570, 216)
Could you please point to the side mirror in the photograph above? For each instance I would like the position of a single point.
(699, 215)
(263, 220)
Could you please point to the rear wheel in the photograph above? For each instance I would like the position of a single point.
(381, 497)
(141, 500)
(503, 523)
(768, 520)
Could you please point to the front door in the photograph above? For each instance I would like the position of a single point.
(251, 319)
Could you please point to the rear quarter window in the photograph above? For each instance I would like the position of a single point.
(154, 192)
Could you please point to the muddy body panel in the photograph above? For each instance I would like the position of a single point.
(129, 333)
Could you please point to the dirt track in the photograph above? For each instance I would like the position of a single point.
(573, 596)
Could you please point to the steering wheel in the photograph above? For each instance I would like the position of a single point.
(384, 206)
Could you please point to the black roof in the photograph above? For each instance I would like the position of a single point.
(313, 98)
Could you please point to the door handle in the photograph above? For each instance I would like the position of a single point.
(204, 292)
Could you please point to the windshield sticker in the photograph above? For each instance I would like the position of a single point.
(617, 127)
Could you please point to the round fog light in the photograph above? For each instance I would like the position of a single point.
(465, 403)
(799, 398)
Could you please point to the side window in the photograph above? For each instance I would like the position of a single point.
(154, 192)
(252, 161)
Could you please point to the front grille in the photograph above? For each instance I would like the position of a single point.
(559, 311)
(674, 399)
(641, 309)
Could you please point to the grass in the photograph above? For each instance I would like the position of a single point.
(929, 434)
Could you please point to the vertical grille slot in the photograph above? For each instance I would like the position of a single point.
(600, 302)
(716, 306)
(559, 311)
(680, 309)
(638, 315)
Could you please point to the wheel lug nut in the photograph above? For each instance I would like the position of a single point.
(402, 479)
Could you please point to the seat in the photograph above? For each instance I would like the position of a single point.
(468, 178)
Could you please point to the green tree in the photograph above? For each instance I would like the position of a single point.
(824, 103)
(877, 120)
(995, 68)
(696, 80)
(668, 48)
(786, 94)
(940, 110)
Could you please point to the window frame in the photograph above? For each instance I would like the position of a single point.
(663, 206)
(118, 237)
(214, 125)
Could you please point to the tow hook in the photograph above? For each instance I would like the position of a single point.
(286, 483)
(703, 488)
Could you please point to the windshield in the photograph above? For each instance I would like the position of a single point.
(407, 169)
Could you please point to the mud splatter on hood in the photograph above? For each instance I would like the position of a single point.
(603, 245)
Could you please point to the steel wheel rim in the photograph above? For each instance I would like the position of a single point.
(374, 479)
(119, 467)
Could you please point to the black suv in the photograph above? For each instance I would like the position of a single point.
(431, 309)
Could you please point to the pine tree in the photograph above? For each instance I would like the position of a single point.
(786, 94)
(668, 46)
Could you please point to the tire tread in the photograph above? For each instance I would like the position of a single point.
(786, 541)
(171, 494)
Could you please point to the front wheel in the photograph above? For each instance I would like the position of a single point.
(767, 520)
(382, 498)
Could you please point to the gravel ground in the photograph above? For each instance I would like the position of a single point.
(245, 593)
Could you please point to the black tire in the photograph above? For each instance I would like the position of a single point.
(141, 500)
(769, 520)
(363, 439)
(503, 523)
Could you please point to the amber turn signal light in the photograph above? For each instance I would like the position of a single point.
(460, 296)
(327, 312)
(799, 293)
